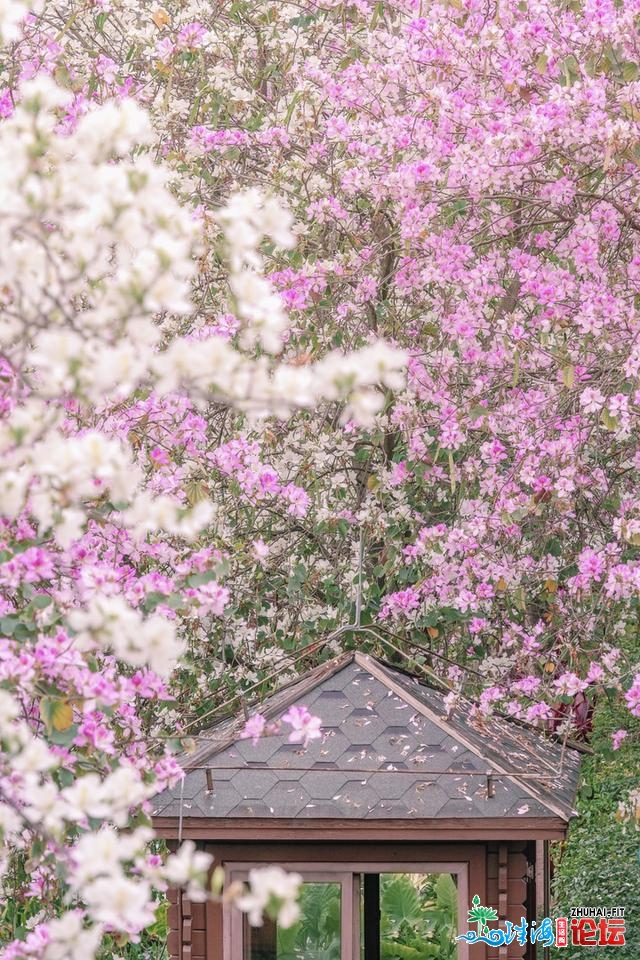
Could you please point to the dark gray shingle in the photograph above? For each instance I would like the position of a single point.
(388, 750)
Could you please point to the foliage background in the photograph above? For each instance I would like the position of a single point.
(599, 864)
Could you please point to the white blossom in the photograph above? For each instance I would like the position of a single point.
(188, 868)
(274, 887)
(111, 623)
(120, 902)
(70, 939)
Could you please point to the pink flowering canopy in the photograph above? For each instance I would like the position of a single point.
(299, 302)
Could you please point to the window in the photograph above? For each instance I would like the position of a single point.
(360, 911)
(320, 933)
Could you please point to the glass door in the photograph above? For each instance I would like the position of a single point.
(358, 911)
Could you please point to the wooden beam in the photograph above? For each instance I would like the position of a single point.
(471, 829)
(213, 929)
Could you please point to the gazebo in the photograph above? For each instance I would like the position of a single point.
(397, 787)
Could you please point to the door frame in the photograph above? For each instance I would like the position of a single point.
(347, 873)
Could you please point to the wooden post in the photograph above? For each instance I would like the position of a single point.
(503, 890)
(547, 888)
(186, 929)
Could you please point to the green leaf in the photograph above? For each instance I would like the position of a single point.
(41, 601)
(175, 601)
(64, 738)
(477, 411)
(196, 491)
(541, 63)
(608, 422)
(8, 625)
(152, 600)
(568, 376)
(197, 579)
(159, 929)
(400, 902)
(447, 893)
(570, 70)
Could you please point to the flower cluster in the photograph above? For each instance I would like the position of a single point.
(304, 726)
(359, 319)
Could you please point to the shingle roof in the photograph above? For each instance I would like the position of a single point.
(388, 751)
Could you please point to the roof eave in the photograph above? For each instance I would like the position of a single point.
(477, 830)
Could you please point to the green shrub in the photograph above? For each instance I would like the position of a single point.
(599, 863)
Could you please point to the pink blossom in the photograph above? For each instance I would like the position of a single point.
(591, 564)
(401, 603)
(632, 696)
(526, 686)
(159, 457)
(95, 732)
(6, 104)
(399, 473)
(165, 49)
(106, 68)
(260, 549)
(298, 500)
(191, 36)
(488, 697)
(595, 673)
(592, 400)
(618, 737)
(210, 598)
(569, 684)
(538, 714)
(253, 728)
(304, 726)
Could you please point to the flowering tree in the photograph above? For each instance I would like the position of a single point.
(227, 231)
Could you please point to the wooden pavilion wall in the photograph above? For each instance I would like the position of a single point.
(510, 879)
(500, 873)
(187, 929)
